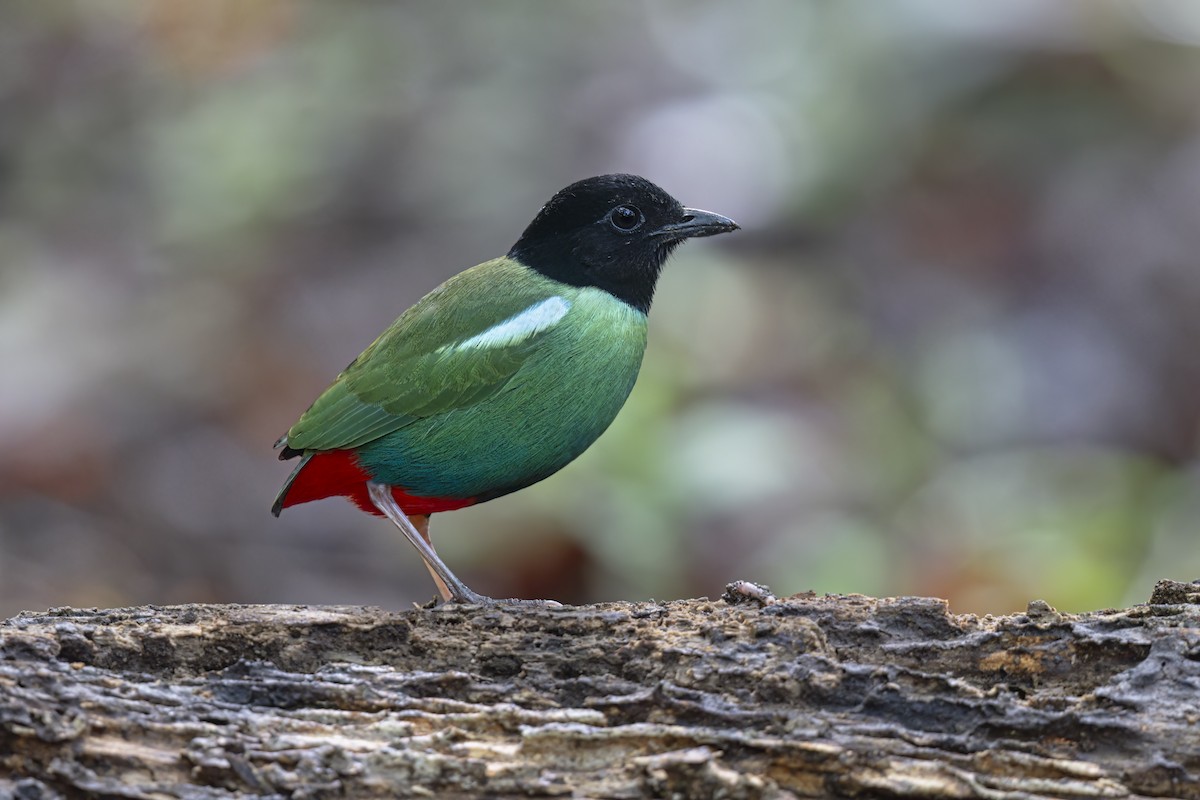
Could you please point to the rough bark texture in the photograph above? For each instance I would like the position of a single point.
(743, 697)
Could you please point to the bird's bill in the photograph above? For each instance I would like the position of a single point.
(697, 223)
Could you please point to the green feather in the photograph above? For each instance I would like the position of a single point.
(565, 394)
(416, 369)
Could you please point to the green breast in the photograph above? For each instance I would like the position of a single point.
(563, 397)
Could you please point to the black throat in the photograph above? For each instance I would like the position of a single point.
(631, 278)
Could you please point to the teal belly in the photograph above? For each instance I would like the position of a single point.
(552, 410)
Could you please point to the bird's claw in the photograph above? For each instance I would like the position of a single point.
(474, 599)
(517, 601)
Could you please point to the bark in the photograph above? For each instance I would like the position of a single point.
(742, 697)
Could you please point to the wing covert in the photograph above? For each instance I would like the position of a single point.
(437, 357)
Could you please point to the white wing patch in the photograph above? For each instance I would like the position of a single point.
(538, 317)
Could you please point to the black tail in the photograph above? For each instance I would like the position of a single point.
(287, 485)
(286, 452)
(284, 455)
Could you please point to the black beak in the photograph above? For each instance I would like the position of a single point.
(697, 223)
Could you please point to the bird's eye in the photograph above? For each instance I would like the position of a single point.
(625, 218)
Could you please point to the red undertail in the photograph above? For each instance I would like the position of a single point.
(336, 473)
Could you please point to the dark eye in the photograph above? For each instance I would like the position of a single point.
(625, 218)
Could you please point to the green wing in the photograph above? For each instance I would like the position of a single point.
(417, 368)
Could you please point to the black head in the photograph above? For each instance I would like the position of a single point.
(613, 232)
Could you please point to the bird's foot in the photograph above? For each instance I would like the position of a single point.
(475, 599)
(520, 601)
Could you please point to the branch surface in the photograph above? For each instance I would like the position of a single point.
(742, 697)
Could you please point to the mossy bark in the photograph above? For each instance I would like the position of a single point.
(743, 697)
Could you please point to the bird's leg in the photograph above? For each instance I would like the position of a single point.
(451, 588)
(421, 523)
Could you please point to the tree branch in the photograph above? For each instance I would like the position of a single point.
(743, 697)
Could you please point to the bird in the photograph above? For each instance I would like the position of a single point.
(500, 376)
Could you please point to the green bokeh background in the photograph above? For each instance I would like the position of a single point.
(955, 350)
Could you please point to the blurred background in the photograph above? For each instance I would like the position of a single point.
(955, 350)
